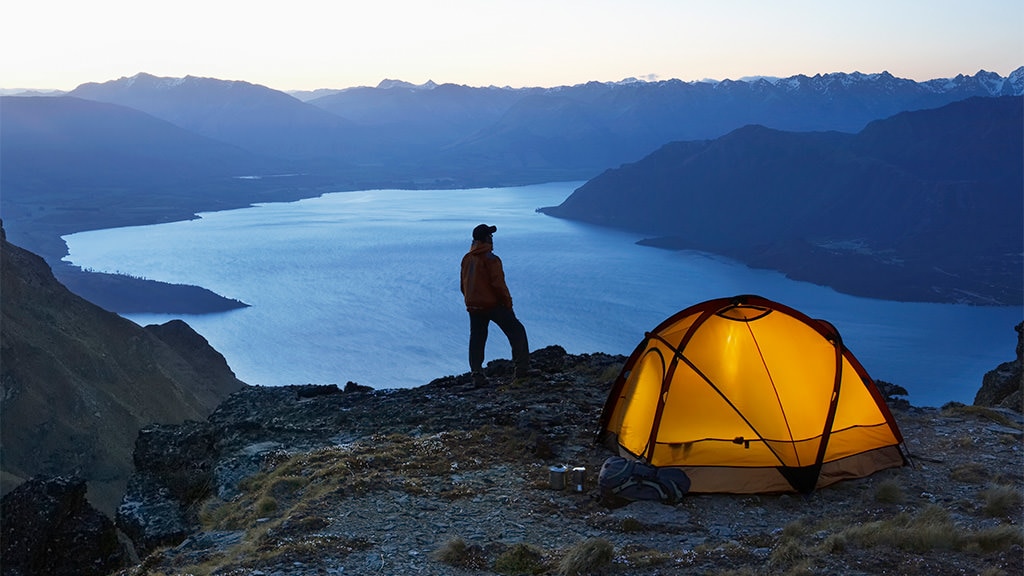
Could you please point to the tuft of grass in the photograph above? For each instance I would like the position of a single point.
(889, 491)
(795, 529)
(266, 506)
(1000, 500)
(589, 556)
(834, 544)
(287, 485)
(971, 473)
(520, 559)
(788, 553)
(455, 552)
(997, 538)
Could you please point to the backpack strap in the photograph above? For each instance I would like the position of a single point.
(641, 481)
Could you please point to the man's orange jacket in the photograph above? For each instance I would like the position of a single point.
(483, 279)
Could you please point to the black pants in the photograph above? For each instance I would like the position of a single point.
(506, 319)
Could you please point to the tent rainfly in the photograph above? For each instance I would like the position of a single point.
(750, 396)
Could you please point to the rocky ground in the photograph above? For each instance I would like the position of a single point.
(453, 479)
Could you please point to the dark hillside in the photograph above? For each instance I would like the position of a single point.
(78, 382)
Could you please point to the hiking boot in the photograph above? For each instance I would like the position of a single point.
(480, 379)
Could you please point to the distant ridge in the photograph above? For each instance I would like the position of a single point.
(924, 205)
(250, 116)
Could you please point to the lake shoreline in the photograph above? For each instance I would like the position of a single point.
(123, 294)
(330, 278)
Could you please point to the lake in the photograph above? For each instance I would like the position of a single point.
(363, 287)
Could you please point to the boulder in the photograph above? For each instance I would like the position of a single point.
(1003, 387)
(50, 529)
(174, 471)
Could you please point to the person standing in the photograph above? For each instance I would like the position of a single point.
(488, 300)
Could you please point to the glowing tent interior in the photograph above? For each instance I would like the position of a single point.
(750, 396)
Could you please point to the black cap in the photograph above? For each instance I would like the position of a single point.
(483, 232)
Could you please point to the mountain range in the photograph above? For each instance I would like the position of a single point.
(146, 149)
(460, 130)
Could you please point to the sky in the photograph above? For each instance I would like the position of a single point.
(310, 44)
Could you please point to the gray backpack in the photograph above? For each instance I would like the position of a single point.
(622, 481)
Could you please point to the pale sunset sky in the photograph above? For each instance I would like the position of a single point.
(309, 44)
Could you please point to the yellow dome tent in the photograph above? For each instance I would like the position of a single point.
(750, 396)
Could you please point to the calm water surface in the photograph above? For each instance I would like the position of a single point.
(363, 286)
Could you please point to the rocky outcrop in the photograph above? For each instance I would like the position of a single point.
(1003, 387)
(79, 382)
(50, 529)
(178, 467)
(448, 477)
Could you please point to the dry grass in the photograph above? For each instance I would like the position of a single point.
(958, 409)
(280, 511)
(1001, 500)
(455, 552)
(589, 556)
(520, 559)
(385, 462)
(889, 491)
(931, 529)
(971, 473)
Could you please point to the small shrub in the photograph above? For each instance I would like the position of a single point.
(889, 492)
(587, 557)
(519, 559)
(265, 506)
(1000, 500)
